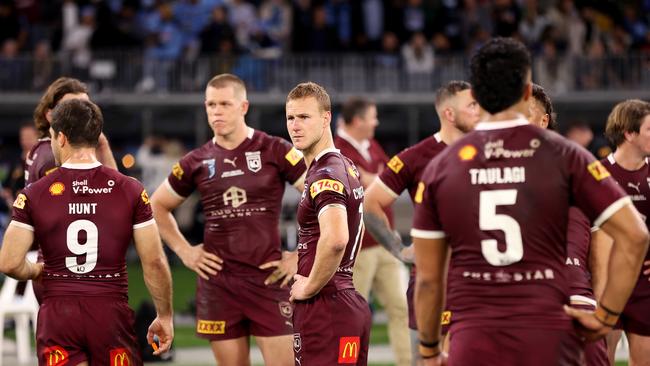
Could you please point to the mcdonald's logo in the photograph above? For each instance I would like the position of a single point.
(120, 357)
(349, 349)
(55, 356)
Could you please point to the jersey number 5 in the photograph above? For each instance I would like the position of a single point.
(89, 248)
(490, 220)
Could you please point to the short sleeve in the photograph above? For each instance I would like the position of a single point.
(21, 211)
(180, 181)
(290, 161)
(593, 189)
(426, 223)
(327, 191)
(397, 175)
(142, 215)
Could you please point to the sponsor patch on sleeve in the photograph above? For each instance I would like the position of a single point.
(419, 193)
(395, 164)
(177, 171)
(145, 197)
(467, 152)
(598, 170)
(293, 156)
(445, 318)
(325, 185)
(349, 349)
(55, 356)
(20, 201)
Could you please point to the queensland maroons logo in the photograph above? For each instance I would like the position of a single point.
(57, 189)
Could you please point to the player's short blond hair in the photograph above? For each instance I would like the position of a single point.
(311, 89)
(626, 116)
(226, 80)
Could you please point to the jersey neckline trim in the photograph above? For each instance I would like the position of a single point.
(487, 126)
(612, 160)
(328, 150)
(81, 165)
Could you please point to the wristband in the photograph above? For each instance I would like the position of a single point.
(429, 349)
(606, 317)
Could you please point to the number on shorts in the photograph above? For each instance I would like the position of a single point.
(89, 249)
(490, 220)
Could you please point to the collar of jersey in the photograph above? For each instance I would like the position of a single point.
(361, 146)
(94, 164)
(249, 135)
(329, 150)
(486, 126)
(612, 160)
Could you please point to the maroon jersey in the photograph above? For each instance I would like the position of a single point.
(332, 182)
(637, 185)
(501, 197)
(241, 192)
(578, 242)
(405, 169)
(39, 161)
(83, 216)
(372, 163)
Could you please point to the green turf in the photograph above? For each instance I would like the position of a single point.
(184, 287)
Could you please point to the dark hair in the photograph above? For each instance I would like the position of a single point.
(627, 116)
(540, 96)
(79, 120)
(51, 98)
(449, 90)
(355, 107)
(311, 89)
(498, 73)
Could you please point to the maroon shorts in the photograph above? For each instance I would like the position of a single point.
(232, 307)
(513, 347)
(332, 328)
(636, 316)
(95, 329)
(445, 322)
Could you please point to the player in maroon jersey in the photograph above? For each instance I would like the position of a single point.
(458, 113)
(628, 128)
(331, 319)
(375, 268)
(240, 175)
(580, 251)
(39, 160)
(499, 198)
(84, 216)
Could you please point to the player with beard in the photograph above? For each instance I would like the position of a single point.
(458, 113)
(332, 320)
(497, 202)
(628, 128)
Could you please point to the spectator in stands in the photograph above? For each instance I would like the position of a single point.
(532, 25)
(506, 17)
(164, 48)
(42, 65)
(13, 71)
(10, 25)
(418, 55)
(218, 36)
(243, 17)
(322, 36)
(78, 28)
(276, 21)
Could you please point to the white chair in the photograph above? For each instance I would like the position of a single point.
(22, 308)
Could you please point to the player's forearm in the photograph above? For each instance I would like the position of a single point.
(22, 271)
(158, 279)
(625, 262)
(329, 253)
(599, 251)
(104, 153)
(380, 230)
(429, 299)
(169, 231)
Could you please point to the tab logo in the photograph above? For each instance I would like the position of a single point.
(120, 357)
(55, 356)
(325, 185)
(211, 327)
(349, 349)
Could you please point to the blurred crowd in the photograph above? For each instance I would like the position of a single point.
(413, 32)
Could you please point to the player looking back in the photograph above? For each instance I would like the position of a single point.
(84, 217)
(499, 198)
(331, 319)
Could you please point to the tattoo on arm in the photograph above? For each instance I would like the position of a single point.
(383, 234)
